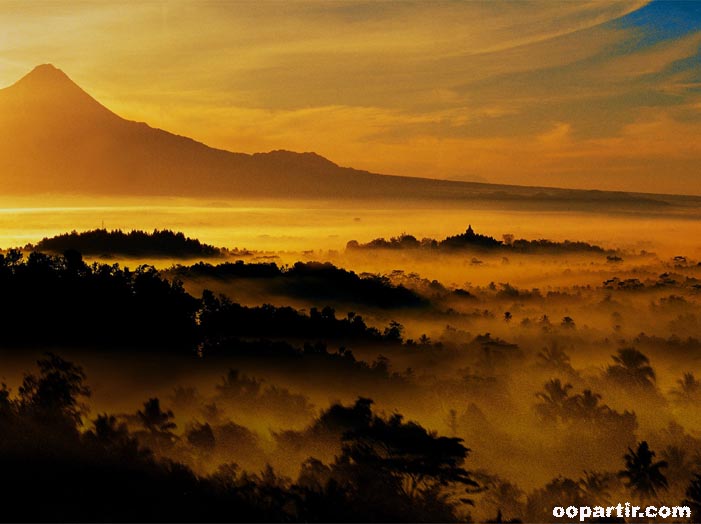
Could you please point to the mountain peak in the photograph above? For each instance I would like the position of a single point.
(46, 96)
(45, 69)
(45, 75)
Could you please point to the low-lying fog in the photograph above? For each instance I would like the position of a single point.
(316, 225)
(480, 347)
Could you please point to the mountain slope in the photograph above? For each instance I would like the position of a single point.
(54, 137)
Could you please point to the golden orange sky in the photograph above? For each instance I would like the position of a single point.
(571, 94)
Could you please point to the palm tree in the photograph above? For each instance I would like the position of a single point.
(632, 368)
(154, 419)
(158, 425)
(553, 399)
(555, 357)
(587, 406)
(689, 389)
(643, 475)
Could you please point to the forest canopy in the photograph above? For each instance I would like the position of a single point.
(135, 243)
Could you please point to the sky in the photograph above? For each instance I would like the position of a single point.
(581, 94)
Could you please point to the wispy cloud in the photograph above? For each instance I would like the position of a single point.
(565, 93)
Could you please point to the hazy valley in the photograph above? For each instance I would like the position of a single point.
(192, 334)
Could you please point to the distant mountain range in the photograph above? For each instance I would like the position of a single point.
(55, 138)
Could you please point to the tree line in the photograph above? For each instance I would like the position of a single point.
(60, 300)
(159, 243)
(476, 241)
(55, 469)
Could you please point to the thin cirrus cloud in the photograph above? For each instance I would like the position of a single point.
(574, 94)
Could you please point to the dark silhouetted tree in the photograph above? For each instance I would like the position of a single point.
(158, 425)
(154, 419)
(688, 390)
(553, 400)
(568, 322)
(406, 462)
(201, 437)
(6, 404)
(643, 476)
(632, 368)
(56, 392)
(554, 357)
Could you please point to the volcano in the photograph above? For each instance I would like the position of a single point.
(55, 138)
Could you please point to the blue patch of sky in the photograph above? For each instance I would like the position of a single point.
(659, 22)
(663, 20)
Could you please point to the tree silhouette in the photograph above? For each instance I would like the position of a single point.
(419, 461)
(387, 470)
(568, 322)
(689, 389)
(553, 400)
(201, 437)
(158, 425)
(584, 411)
(643, 476)
(393, 332)
(154, 419)
(632, 368)
(107, 429)
(502, 498)
(554, 356)
(6, 403)
(112, 435)
(133, 243)
(59, 301)
(56, 392)
(586, 406)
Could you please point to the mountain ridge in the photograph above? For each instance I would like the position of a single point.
(58, 138)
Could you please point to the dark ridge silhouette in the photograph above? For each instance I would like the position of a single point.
(100, 305)
(220, 318)
(476, 241)
(543, 245)
(56, 470)
(313, 281)
(311, 359)
(135, 243)
(62, 301)
(58, 139)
